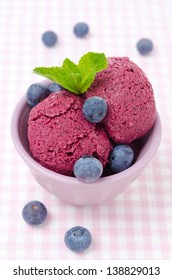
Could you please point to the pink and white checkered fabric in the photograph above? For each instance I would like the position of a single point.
(138, 223)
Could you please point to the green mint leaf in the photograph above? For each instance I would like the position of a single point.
(89, 65)
(73, 77)
(87, 81)
(70, 67)
(55, 74)
(91, 60)
(69, 80)
(73, 82)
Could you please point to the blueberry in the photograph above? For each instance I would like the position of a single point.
(54, 87)
(121, 157)
(81, 29)
(34, 213)
(144, 46)
(88, 169)
(78, 239)
(36, 93)
(95, 109)
(49, 38)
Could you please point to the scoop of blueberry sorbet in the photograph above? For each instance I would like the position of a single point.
(118, 108)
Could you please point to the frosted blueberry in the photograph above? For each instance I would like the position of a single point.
(95, 109)
(88, 169)
(49, 38)
(144, 46)
(54, 87)
(78, 239)
(36, 93)
(121, 158)
(34, 213)
(81, 29)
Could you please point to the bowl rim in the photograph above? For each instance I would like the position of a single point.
(152, 148)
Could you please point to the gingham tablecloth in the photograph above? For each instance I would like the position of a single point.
(138, 223)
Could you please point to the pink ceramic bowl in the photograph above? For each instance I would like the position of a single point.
(69, 189)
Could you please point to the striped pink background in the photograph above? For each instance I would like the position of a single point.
(138, 223)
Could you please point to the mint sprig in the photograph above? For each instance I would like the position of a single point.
(76, 78)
